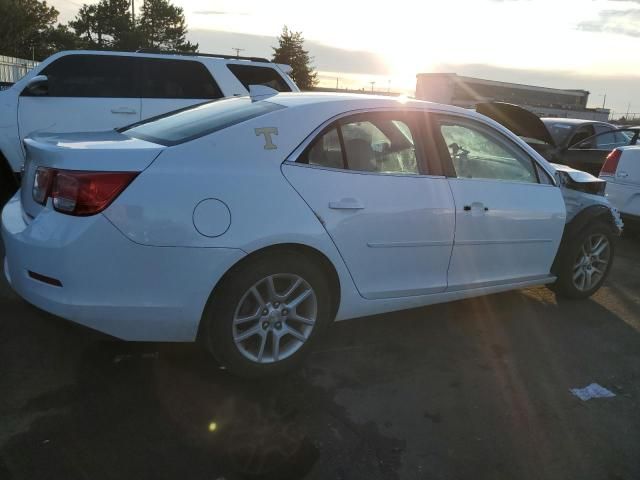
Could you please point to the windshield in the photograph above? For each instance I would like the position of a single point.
(194, 122)
(559, 131)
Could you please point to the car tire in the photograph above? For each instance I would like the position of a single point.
(586, 261)
(275, 319)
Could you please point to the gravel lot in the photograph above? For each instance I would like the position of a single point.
(474, 389)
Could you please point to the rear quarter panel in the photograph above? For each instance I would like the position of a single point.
(233, 167)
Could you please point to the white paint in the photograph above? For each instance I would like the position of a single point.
(142, 271)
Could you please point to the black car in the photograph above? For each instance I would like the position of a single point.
(581, 144)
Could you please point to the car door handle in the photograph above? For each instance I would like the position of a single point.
(346, 204)
(475, 206)
(124, 110)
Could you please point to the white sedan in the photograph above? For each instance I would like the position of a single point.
(252, 223)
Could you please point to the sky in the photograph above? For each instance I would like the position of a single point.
(578, 44)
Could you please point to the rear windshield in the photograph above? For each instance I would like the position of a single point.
(197, 121)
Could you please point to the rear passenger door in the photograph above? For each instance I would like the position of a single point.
(166, 85)
(365, 178)
(85, 93)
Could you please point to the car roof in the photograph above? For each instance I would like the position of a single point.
(360, 100)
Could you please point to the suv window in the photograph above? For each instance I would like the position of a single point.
(476, 152)
(380, 143)
(163, 78)
(91, 76)
(267, 76)
(199, 120)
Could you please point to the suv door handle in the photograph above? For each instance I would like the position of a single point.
(346, 204)
(124, 110)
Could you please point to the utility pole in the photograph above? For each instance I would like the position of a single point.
(628, 108)
(604, 100)
(372, 84)
(133, 13)
(337, 79)
(238, 50)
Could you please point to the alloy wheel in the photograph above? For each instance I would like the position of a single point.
(274, 318)
(592, 262)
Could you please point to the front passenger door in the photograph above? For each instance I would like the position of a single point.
(509, 215)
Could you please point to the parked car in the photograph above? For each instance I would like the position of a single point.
(622, 174)
(252, 223)
(581, 144)
(94, 91)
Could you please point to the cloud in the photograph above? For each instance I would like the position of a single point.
(621, 22)
(324, 57)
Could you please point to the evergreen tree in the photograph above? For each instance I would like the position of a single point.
(104, 25)
(290, 50)
(27, 29)
(163, 26)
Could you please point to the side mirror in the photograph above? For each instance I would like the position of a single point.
(37, 86)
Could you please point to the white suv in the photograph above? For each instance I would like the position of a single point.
(94, 91)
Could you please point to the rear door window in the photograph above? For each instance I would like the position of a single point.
(91, 76)
(251, 75)
(165, 78)
(368, 142)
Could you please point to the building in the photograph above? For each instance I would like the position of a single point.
(466, 92)
(13, 69)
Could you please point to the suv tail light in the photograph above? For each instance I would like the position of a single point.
(79, 193)
(611, 163)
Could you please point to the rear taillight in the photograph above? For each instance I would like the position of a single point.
(611, 163)
(79, 193)
(42, 184)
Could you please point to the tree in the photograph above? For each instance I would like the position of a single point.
(105, 25)
(290, 50)
(163, 26)
(27, 29)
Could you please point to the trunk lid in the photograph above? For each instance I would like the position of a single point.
(95, 151)
(517, 119)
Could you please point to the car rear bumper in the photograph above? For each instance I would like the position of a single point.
(626, 198)
(107, 282)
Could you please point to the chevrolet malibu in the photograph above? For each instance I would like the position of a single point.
(250, 224)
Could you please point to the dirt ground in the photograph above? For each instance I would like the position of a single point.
(476, 389)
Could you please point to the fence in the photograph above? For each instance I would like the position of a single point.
(13, 69)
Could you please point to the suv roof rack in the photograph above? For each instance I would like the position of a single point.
(198, 54)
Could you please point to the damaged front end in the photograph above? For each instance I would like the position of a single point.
(581, 192)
